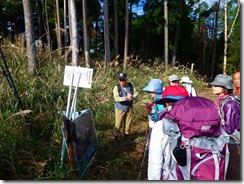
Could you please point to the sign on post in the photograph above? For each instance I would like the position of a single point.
(79, 135)
(85, 76)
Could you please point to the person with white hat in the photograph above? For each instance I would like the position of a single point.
(173, 80)
(187, 83)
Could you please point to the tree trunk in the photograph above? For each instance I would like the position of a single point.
(96, 39)
(214, 39)
(228, 35)
(2, 22)
(106, 35)
(40, 27)
(66, 49)
(175, 45)
(199, 39)
(126, 33)
(177, 35)
(59, 43)
(166, 39)
(74, 33)
(225, 38)
(204, 50)
(30, 37)
(85, 35)
(47, 27)
(116, 47)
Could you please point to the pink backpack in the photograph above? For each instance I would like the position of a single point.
(202, 152)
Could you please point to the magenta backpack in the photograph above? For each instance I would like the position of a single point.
(196, 116)
(202, 152)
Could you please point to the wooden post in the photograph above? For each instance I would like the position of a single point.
(192, 66)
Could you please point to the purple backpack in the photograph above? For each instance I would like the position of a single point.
(202, 152)
(196, 116)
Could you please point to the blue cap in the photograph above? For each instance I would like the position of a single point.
(122, 76)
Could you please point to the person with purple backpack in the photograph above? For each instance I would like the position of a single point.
(170, 95)
(188, 142)
(229, 108)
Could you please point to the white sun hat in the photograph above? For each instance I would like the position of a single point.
(185, 79)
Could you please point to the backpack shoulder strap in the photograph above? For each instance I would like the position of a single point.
(222, 102)
(228, 98)
(171, 138)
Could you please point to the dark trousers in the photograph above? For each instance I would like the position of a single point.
(234, 167)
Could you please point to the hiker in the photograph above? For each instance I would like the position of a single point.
(187, 144)
(154, 88)
(123, 93)
(237, 83)
(187, 83)
(173, 80)
(222, 86)
(156, 158)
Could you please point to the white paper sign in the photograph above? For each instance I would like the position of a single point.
(85, 76)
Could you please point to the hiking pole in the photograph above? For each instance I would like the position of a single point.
(146, 148)
(148, 133)
(10, 81)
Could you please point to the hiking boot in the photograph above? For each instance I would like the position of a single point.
(126, 138)
(116, 141)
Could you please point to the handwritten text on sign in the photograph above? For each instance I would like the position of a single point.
(85, 76)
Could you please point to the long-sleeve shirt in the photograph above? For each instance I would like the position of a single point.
(155, 157)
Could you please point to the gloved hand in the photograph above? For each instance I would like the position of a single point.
(149, 107)
(151, 117)
(151, 123)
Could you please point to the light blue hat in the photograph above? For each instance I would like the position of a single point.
(154, 85)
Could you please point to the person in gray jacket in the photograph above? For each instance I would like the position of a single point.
(123, 93)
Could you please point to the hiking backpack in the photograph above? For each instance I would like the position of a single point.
(202, 150)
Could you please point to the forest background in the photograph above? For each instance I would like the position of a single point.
(203, 40)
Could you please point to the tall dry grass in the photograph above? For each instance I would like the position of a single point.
(35, 155)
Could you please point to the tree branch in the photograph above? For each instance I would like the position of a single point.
(237, 13)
